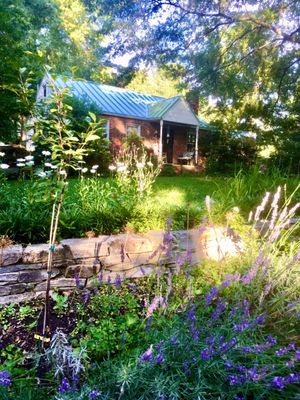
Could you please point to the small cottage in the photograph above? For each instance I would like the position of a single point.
(169, 126)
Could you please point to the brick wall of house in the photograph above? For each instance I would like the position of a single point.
(118, 130)
(150, 134)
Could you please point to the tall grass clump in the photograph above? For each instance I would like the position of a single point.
(246, 188)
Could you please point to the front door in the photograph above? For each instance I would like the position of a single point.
(168, 140)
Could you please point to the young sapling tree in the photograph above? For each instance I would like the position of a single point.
(53, 129)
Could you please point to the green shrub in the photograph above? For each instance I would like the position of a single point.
(113, 324)
(168, 170)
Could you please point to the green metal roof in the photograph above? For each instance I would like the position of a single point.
(122, 102)
(158, 108)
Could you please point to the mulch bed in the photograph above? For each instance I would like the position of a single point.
(21, 332)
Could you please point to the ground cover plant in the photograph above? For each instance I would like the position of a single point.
(230, 334)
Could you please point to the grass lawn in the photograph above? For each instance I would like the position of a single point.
(184, 191)
(95, 204)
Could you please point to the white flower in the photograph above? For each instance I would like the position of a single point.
(236, 209)
(95, 166)
(63, 172)
(53, 166)
(21, 160)
(150, 164)
(112, 167)
(140, 165)
(30, 163)
(93, 171)
(81, 162)
(47, 164)
(31, 148)
(42, 174)
(4, 166)
(29, 158)
(120, 164)
(46, 153)
(2, 154)
(122, 169)
(21, 165)
(84, 170)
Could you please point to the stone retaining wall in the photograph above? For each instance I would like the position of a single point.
(23, 269)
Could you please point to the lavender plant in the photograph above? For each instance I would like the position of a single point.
(67, 364)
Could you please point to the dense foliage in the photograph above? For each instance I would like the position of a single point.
(220, 330)
(241, 56)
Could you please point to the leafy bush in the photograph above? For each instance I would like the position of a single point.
(227, 153)
(114, 322)
(25, 213)
(168, 170)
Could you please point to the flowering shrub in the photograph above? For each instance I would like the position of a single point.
(135, 171)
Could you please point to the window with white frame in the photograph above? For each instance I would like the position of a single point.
(133, 129)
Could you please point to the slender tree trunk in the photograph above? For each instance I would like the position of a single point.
(53, 232)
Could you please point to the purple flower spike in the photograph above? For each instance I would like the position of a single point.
(250, 275)
(191, 314)
(94, 394)
(234, 380)
(156, 303)
(100, 277)
(293, 378)
(179, 263)
(122, 253)
(211, 295)
(85, 296)
(118, 282)
(5, 378)
(149, 323)
(174, 340)
(159, 359)
(77, 280)
(206, 354)
(147, 355)
(271, 340)
(278, 382)
(281, 352)
(229, 279)
(64, 386)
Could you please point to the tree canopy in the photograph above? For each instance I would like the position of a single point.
(35, 33)
(243, 56)
(156, 82)
(238, 58)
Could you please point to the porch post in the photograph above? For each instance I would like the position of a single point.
(160, 139)
(196, 145)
